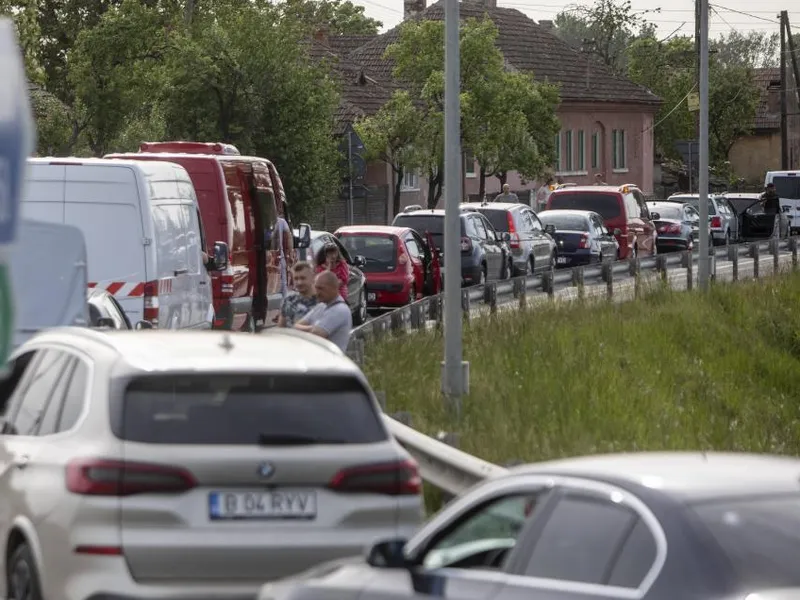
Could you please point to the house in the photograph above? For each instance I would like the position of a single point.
(607, 120)
(755, 154)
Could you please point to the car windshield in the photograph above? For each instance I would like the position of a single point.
(564, 222)
(380, 250)
(694, 203)
(787, 187)
(607, 205)
(498, 218)
(759, 535)
(246, 409)
(433, 224)
(666, 211)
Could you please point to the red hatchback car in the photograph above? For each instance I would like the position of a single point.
(401, 267)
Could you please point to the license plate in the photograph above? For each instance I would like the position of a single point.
(276, 504)
(562, 260)
(371, 296)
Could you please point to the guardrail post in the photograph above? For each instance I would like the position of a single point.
(634, 269)
(608, 277)
(523, 294)
(377, 328)
(774, 247)
(416, 316)
(578, 281)
(755, 252)
(661, 266)
(515, 287)
(688, 263)
(793, 248)
(397, 320)
(548, 286)
(735, 264)
(381, 398)
(465, 303)
(490, 296)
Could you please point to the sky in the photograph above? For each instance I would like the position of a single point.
(676, 16)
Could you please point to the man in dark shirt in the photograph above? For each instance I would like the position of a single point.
(771, 200)
(297, 305)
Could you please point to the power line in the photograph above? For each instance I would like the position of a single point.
(746, 14)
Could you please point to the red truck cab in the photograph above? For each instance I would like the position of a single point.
(240, 199)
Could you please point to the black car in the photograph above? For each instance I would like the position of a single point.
(357, 282)
(677, 225)
(646, 526)
(754, 224)
(485, 255)
(105, 311)
(581, 237)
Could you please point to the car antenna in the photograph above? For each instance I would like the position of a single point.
(226, 343)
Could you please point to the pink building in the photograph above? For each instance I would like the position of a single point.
(606, 119)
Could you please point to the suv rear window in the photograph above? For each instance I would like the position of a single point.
(760, 536)
(434, 224)
(246, 409)
(498, 218)
(608, 205)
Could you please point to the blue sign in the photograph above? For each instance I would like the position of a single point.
(16, 130)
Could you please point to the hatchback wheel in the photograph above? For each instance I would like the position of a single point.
(361, 309)
(482, 279)
(23, 579)
(412, 294)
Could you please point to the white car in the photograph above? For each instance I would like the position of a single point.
(189, 465)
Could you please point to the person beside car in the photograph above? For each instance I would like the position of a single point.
(297, 304)
(329, 259)
(770, 200)
(331, 317)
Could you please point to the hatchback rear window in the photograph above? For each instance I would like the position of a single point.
(433, 224)
(265, 410)
(498, 218)
(608, 205)
(379, 250)
(565, 222)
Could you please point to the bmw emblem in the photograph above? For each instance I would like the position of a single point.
(266, 470)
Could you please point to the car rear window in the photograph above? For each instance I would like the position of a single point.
(787, 187)
(434, 224)
(695, 203)
(246, 409)
(498, 218)
(760, 537)
(379, 250)
(607, 205)
(665, 211)
(565, 222)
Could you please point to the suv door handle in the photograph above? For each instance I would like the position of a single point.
(21, 462)
(181, 272)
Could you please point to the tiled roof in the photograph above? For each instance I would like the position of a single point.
(345, 44)
(767, 117)
(531, 48)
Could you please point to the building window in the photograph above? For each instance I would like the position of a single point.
(618, 149)
(557, 163)
(595, 150)
(568, 153)
(410, 181)
(581, 151)
(469, 164)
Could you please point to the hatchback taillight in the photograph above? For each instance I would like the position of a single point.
(103, 477)
(584, 242)
(716, 222)
(399, 478)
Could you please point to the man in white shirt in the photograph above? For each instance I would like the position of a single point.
(330, 318)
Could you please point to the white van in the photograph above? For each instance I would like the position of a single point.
(142, 228)
(787, 186)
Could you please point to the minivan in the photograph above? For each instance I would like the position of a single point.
(240, 199)
(141, 224)
(787, 186)
(624, 213)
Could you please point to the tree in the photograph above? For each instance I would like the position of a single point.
(753, 49)
(604, 29)
(53, 123)
(389, 136)
(339, 17)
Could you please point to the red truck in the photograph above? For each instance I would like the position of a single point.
(240, 199)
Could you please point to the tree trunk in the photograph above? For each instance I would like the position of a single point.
(433, 199)
(502, 176)
(398, 185)
(482, 185)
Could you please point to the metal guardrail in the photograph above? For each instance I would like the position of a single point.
(454, 471)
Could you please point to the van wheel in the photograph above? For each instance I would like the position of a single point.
(23, 578)
(249, 324)
(361, 309)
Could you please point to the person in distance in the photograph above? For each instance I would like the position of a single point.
(297, 305)
(330, 318)
(329, 259)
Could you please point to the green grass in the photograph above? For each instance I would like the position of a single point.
(674, 371)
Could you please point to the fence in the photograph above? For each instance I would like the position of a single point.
(452, 470)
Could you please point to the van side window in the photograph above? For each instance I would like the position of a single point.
(170, 233)
(631, 206)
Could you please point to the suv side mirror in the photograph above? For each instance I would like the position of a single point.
(221, 256)
(143, 325)
(303, 239)
(550, 229)
(359, 261)
(105, 322)
(388, 554)
(505, 236)
(655, 216)
(617, 232)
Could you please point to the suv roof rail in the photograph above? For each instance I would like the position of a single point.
(412, 208)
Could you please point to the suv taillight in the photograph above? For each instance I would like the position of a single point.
(399, 478)
(103, 477)
(512, 230)
(466, 244)
(716, 222)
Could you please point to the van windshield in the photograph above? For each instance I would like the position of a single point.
(608, 205)
(787, 187)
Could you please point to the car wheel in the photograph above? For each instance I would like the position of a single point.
(23, 578)
(634, 252)
(482, 279)
(728, 237)
(504, 273)
(532, 267)
(412, 294)
(361, 309)
(249, 325)
(553, 261)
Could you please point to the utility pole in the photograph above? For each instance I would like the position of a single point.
(350, 177)
(784, 90)
(704, 260)
(793, 52)
(455, 372)
(692, 179)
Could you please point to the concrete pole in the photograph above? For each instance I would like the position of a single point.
(455, 372)
(704, 262)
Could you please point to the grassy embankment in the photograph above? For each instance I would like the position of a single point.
(673, 371)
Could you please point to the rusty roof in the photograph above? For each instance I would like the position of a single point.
(768, 114)
(528, 47)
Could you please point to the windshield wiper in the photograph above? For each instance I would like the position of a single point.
(290, 439)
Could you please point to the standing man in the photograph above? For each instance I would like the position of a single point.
(543, 193)
(771, 200)
(598, 179)
(507, 195)
(331, 318)
(296, 305)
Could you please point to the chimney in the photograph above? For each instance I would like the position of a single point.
(321, 35)
(545, 24)
(412, 8)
